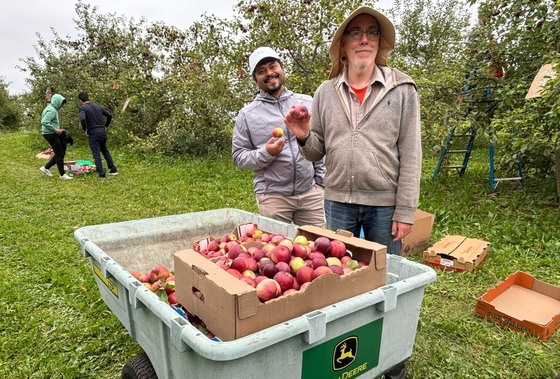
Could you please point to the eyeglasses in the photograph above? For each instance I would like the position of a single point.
(356, 34)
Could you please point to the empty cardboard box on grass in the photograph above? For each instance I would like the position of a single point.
(418, 239)
(523, 303)
(231, 309)
(457, 253)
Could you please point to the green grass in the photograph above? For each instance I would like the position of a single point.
(54, 324)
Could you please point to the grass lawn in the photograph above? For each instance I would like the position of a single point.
(53, 323)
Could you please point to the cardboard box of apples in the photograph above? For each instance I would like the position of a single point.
(252, 279)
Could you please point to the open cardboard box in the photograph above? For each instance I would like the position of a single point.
(522, 303)
(231, 309)
(419, 237)
(457, 253)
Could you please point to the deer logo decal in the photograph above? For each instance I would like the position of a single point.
(345, 353)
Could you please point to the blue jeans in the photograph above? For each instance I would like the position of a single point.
(98, 145)
(375, 221)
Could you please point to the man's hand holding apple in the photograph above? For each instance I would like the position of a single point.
(275, 145)
(297, 120)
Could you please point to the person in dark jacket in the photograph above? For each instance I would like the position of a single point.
(288, 187)
(95, 128)
(55, 136)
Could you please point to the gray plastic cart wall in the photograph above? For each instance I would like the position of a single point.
(177, 349)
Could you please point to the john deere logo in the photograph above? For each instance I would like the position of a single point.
(345, 353)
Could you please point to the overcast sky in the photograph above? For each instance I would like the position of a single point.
(21, 20)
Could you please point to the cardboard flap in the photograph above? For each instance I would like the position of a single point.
(247, 304)
(470, 249)
(344, 233)
(363, 250)
(199, 271)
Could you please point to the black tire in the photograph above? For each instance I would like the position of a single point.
(139, 367)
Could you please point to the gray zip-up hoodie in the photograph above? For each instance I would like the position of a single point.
(287, 173)
(379, 162)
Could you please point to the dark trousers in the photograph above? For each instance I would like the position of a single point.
(58, 144)
(98, 145)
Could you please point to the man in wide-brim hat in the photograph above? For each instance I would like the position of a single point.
(365, 120)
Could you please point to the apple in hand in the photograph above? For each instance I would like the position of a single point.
(299, 111)
(277, 132)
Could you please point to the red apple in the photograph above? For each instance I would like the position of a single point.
(338, 249)
(275, 239)
(315, 254)
(169, 286)
(250, 229)
(282, 266)
(284, 279)
(248, 274)
(268, 289)
(265, 237)
(323, 245)
(299, 111)
(234, 250)
(213, 246)
(320, 271)
(239, 264)
(288, 243)
(161, 272)
(260, 278)
(235, 273)
(318, 262)
(280, 253)
(252, 264)
(290, 291)
(336, 269)
(172, 298)
(269, 246)
(258, 254)
(345, 259)
(300, 250)
(137, 274)
(249, 281)
(268, 269)
(304, 274)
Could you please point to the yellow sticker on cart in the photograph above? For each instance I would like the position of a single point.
(108, 282)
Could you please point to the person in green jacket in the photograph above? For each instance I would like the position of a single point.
(51, 130)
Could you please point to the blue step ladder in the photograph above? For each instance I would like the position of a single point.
(444, 161)
(495, 181)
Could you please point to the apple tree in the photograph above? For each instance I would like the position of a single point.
(10, 112)
(111, 59)
(430, 45)
(517, 37)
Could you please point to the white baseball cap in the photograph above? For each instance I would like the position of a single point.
(259, 54)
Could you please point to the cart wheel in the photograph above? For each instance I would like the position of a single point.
(139, 367)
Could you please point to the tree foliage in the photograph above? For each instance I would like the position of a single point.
(520, 36)
(178, 91)
(10, 111)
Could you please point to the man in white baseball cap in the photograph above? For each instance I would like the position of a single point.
(287, 186)
(366, 121)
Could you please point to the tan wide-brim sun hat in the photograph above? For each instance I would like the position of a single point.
(386, 40)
